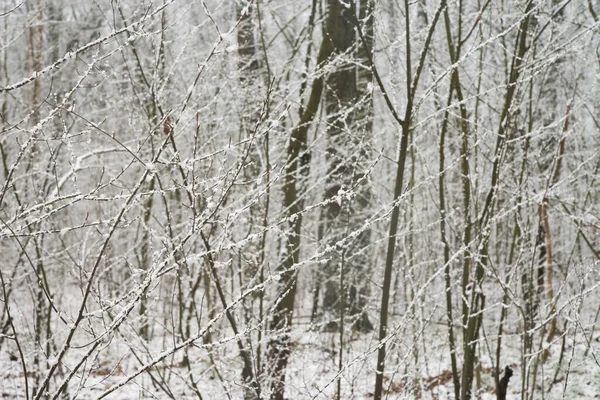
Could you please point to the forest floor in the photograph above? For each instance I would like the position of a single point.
(314, 372)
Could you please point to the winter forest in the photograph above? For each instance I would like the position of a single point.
(299, 199)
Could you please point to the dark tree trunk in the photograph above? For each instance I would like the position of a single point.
(349, 111)
(298, 160)
(503, 384)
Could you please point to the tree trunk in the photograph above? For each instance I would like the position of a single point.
(298, 160)
(248, 67)
(348, 103)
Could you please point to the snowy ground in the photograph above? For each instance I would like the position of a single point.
(313, 373)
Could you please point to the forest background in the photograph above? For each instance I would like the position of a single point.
(308, 199)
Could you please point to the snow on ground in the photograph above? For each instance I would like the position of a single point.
(313, 371)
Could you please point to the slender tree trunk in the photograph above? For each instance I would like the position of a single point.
(36, 47)
(144, 256)
(447, 266)
(364, 127)
(405, 125)
(298, 160)
(250, 380)
(249, 68)
(476, 297)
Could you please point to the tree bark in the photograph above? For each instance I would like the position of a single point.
(298, 160)
(348, 104)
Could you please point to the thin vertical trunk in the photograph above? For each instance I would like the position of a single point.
(527, 276)
(298, 160)
(36, 46)
(447, 266)
(144, 256)
(405, 125)
(549, 96)
(545, 223)
(364, 124)
(516, 237)
(248, 67)
(476, 298)
(250, 380)
(454, 48)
